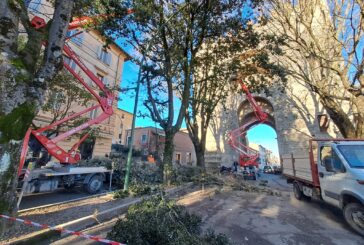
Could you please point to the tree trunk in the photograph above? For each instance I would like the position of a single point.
(359, 117)
(167, 165)
(199, 144)
(16, 112)
(200, 155)
(9, 154)
(338, 116)
(21, 92)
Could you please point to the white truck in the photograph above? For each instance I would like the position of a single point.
(332, 170)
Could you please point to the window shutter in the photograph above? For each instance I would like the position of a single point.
(108, 58)
(80, 38)
(73, 65)
(99, 52)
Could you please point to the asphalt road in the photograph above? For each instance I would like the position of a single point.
(254, 218)
(60, 195)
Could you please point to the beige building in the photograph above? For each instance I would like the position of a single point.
(123, 123)
(107, 64)
(150, 141)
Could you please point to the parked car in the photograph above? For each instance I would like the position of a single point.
(277, 169)
(268, 169)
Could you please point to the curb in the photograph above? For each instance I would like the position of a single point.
(40, 237)
(64, 202)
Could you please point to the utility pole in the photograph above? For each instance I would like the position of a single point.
(130, 153)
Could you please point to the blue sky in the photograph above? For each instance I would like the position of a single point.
(264, 135)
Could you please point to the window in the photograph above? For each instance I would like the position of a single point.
(129, 140)
(27, 2)
(103, 79)
(189, 158)
(34, 5)
(325, 154)
(70, 62)
(336, 163)
(105, 56)
(77, 39)
(145, 152)
(93, 114)
(144, 138)
(178, 158)
(106, 82)
(353, 154)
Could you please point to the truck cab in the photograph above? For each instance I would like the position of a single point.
(341, 172)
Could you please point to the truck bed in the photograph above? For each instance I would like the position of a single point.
(297, 166)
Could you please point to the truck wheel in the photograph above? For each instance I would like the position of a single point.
(354, 216)
(94, 184)
(297, 191)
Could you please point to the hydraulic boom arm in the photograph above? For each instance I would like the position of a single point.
(248, 156)
(104, 97)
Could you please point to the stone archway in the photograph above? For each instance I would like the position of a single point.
(246, 113)
(247, 118)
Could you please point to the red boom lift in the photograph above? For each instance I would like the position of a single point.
(247, 156)
(48, 179)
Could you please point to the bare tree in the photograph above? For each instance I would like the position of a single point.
(323, 47)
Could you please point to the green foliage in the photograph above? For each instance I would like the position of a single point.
(212, 239)
(140, 189)
(18, 63)
(160, 221)
(97, 161)
(14, 125)
(121, 194)
(185, 174)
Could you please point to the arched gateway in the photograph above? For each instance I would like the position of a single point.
(293, 114)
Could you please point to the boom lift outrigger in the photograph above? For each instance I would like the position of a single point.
(247, 156)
